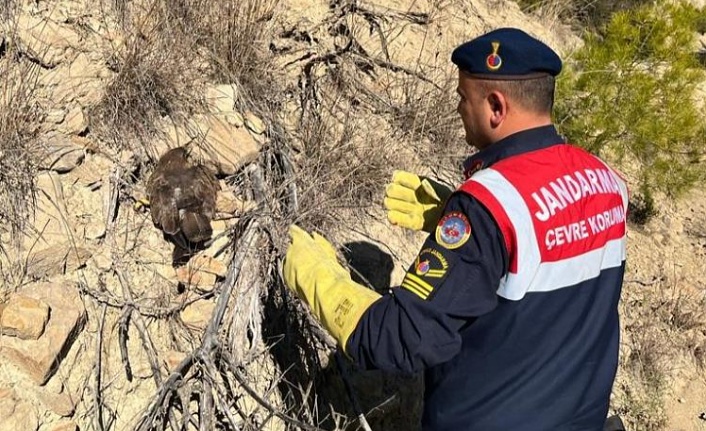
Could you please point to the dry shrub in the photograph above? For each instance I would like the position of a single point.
(20, 115)
(424, 114)
(170, 48)
(154, 78)
(235, 34)
(19, 119)
(342, 170)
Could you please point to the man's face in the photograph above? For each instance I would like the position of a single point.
(474, 111)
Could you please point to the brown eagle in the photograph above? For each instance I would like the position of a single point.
(182, 197)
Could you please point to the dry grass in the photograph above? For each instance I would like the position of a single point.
(19, 121)
(169, 50)
(154, 78)
(664, 324)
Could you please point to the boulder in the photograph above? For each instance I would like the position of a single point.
(24, 317)
(39, 359)
(44, 40)
(221, 98)
(61, 153)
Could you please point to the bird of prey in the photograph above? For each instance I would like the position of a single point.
(182, 198)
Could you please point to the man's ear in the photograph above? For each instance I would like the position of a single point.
(498, 108)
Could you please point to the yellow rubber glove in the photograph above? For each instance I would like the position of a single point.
(414, 202)
(312, 271)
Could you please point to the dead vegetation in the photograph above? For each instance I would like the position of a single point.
(20, 115)
(262, 363)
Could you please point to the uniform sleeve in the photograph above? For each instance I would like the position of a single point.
(452, 281)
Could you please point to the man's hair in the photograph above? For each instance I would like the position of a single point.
(536, 94)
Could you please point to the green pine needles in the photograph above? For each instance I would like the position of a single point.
(630, 95)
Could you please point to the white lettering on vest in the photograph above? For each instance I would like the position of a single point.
(569, 189)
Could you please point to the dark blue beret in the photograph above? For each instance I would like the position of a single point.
(506, 53)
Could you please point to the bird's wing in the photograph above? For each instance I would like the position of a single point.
(163, 208)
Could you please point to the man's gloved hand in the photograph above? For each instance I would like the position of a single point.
(312, 271)
(415, 202)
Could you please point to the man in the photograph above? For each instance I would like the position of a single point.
(511, 305)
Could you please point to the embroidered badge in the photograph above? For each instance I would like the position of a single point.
(493, 61)
(453, 230)
(428, 270)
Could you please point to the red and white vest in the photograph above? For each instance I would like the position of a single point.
(562, 212)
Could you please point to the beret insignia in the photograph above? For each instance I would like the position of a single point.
(494, 61)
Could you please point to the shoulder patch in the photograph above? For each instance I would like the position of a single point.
(453, 230)
(427, 271)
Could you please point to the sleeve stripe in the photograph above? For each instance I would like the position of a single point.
(407, 285)
(420, 283)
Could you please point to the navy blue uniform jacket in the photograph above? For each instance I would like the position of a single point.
(544, 362)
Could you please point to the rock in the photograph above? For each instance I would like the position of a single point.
(254, 123)
(76, 122)
(217, 246)
(16, 414)
(227, 202)
(66, 426)
(90, 173)
(198, 314)
(102, 260)
(45, 40)
(221, 98)
(218, 226)
(58, 259)
(172, 359)
(235, 119)
(49, 224)
(60, 404)
(55, 116)
(24, 318)
(81, 81)
(202, 280)
(61, 154)
(39, 359)
(227, 147)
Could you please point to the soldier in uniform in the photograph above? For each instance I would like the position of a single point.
(511, 306)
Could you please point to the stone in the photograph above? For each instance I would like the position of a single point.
(102, 261)
(49, 223)
(76, 122)
(198, 314)
(61, 154)
(191, 277)
(58, 259)
(39, 359)
(235, 118)
(221, 98)
(24, 318)
(227, 202)
(55, 116)
(172, 359)
(90, 173)
(254, 123)
(209, 264)
(16, 414)
(44, 40)
(227, 147)
(60, 404)
(80, 81)
(66, 426)
(218, 245)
